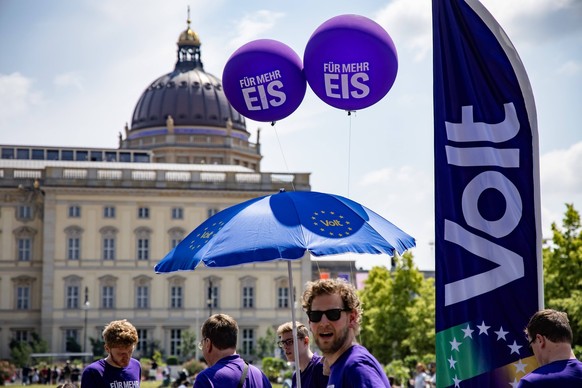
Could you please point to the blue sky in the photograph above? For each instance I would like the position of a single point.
(71, 72)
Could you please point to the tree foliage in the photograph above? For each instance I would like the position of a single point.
(188, 344)
(266, 345)
(563, 270)
(20, 351)
(399, 306)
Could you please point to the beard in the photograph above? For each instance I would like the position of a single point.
(339, 339)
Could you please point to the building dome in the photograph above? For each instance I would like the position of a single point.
(185, 117)
(191, 96)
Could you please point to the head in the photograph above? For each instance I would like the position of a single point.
(219, 337)
(285, 334)
(420, 368)
(120, 339)
(335, 329)
(549, 334)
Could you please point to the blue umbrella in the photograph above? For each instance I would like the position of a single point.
(284, 226)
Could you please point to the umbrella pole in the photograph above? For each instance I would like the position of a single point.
(295, 343)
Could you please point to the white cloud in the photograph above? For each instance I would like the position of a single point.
(253, 25)
(409, 24)
(570, 68)
(17, 95)
(560, 171)
(73, 79)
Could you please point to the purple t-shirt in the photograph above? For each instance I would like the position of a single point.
(227, 372)
(100, 374)
(357, 368)
(562, 373)
(312, 376)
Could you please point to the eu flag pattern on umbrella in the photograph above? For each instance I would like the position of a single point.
(487, 201)
(284, 226)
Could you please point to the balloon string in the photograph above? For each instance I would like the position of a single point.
(282, 153)
(349, 148)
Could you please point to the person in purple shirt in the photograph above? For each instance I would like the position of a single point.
(335, 312)
(550, 337)
(226, 368)
(310, 365)
(118, 369)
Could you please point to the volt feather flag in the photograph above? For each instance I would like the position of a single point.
(487, 200)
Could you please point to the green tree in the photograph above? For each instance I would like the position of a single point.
(188, 344)
(398, 312)
(563, 271)
(266, 345)
(20, 351)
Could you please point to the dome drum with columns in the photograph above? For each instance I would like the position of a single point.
(185, 117)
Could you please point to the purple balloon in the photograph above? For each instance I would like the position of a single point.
(350, 62)
(264, 81)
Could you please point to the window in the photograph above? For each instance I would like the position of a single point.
(176, 235)
(72, 297)
(71, 340)
(108, 239)
(142, 342)
(73, 248)
(21, 335)
(23, 297)
(107, 297)
(24, 212)
(175, 341)
(67, 155)
(212, 295)
(143, 248)
(82, 156)
(24, 248)
(143, 212)
(108, 248)
(37, 154)
(109, 212)
(248, 284)
(282, 297)
(176, 297)
(212, 212)
(142, 297)
(73, 242)
(7, 153)
(52, 155)
(248, 341)
(177, 213)
(74, 211)
(248, 301)
(22, 153)
(142, 235)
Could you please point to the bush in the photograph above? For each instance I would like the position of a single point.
(194, 367)
(172, 360)
(272, 367)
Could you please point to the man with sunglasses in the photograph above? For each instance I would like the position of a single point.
(226, 367)
(550, 337)
(335, 312)
(310, 364)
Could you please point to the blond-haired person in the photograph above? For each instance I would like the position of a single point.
(310, 365)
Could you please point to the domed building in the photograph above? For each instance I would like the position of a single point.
(185, 117)
(83, 227)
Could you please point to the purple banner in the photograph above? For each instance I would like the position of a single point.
(487, 201)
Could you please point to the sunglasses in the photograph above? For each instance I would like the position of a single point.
(332, 315)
